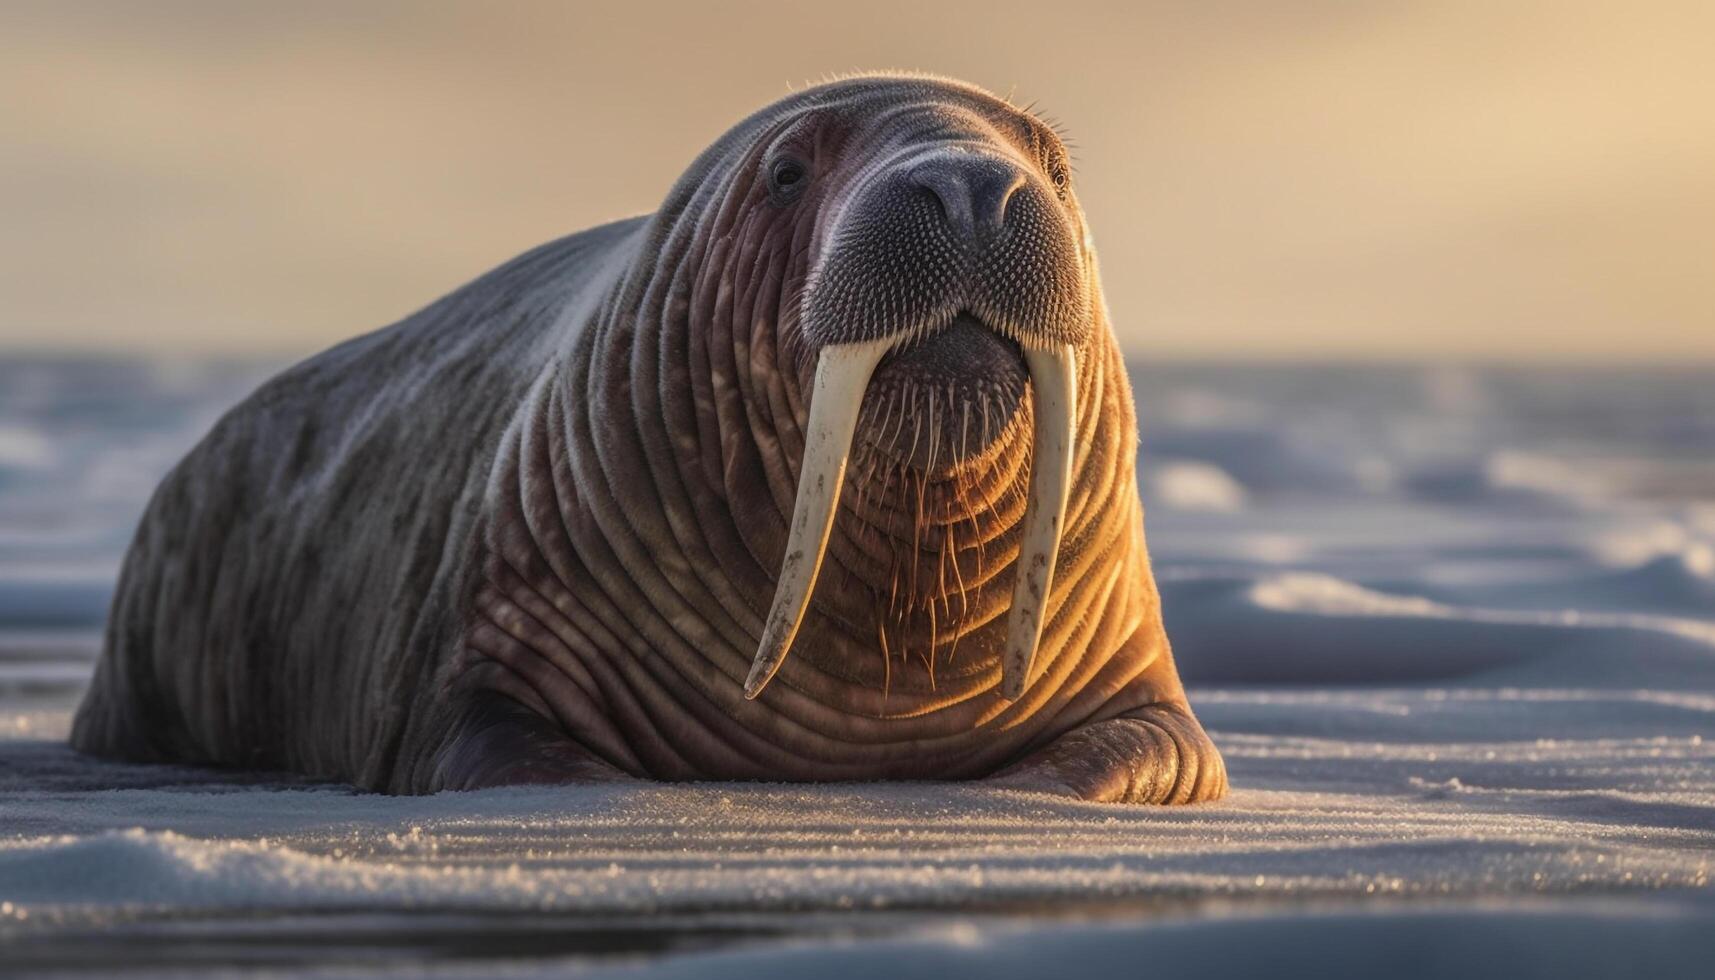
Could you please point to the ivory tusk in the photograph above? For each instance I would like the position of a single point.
(1054, 384)
(842, 375)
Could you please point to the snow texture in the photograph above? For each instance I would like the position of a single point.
(1453, 630)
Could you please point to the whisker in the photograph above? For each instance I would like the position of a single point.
(886, 662)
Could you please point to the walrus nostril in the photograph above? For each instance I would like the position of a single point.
(972, 189)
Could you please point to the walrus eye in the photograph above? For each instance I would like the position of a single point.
(1061, 178)
(786, 178)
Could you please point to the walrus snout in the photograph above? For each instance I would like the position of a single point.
(973, 189)
(944, 228)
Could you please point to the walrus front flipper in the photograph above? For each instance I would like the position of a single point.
(1155, 754)
(504, 743)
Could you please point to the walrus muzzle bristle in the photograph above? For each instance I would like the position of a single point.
(842, 374)
(1054, 385)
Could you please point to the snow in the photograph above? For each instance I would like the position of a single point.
(1183, 485)
(1468, 708)
(23, 448)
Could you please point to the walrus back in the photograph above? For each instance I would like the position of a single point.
(289, 594)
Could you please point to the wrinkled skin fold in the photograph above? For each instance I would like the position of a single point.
(823, 471)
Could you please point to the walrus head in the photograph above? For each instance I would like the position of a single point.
(909, 253)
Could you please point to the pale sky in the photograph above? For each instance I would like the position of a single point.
(1492, 180)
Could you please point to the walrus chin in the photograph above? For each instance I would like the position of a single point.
(843, 373)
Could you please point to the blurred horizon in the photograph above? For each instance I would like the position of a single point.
(1323, 181)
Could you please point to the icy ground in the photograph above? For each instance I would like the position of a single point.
(1454, 631)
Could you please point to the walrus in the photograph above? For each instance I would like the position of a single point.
(825, 470)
